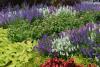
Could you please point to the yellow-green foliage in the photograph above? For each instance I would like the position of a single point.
(81, 60)
(3, 35)
(16, 54)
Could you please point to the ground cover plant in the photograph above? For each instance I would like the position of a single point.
(17, 54)
(49, 36)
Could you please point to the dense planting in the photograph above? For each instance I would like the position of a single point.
(48, 36)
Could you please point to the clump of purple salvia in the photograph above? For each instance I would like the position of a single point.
(88, 52)
(45, 45)
(87, 6)
(84, 35)
(10, 14)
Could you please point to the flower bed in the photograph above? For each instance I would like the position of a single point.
(46, 36)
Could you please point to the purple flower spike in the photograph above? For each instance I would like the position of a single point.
(44, 36)
(83, 50)
(45, 45)
(87, 6)
(98, 56)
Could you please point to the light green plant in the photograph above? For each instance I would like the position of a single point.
(15, 54)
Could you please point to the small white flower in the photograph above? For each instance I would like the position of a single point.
(69, 49)
(97, 59)
(95, 26)
(67, 54)
(77, 46)
(62, 53)
(72, 49)
(14, 12)
(89, 28)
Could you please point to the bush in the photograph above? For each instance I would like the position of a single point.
(50, 25)
(53, 24)
(86, 17)
(19, 30)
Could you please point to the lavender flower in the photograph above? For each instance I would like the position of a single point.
(98, 56)
(10, 14)
(84, 52)
(90, 53)
(87, 6)
(44, 45)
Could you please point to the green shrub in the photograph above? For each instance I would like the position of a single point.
(97, 17)
(86, 17)
(51, 24)
(57, 23)
(19, 30)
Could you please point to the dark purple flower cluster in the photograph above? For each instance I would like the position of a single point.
(90, 52)
(44, 45)
(85, 6)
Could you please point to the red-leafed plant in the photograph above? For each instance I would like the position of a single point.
(55, 62)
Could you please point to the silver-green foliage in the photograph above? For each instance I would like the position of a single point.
(63, 46)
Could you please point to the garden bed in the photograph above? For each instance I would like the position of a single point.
(48, 36)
